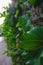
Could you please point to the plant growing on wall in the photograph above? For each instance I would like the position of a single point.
(23, 30)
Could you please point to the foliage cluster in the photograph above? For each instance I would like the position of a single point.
(23, 31)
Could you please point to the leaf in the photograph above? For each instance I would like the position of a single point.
(24, 22)
(32, 40)
(32, 2)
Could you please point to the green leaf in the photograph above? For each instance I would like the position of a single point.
(32, 40)
(32, 2)
(23, 21)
